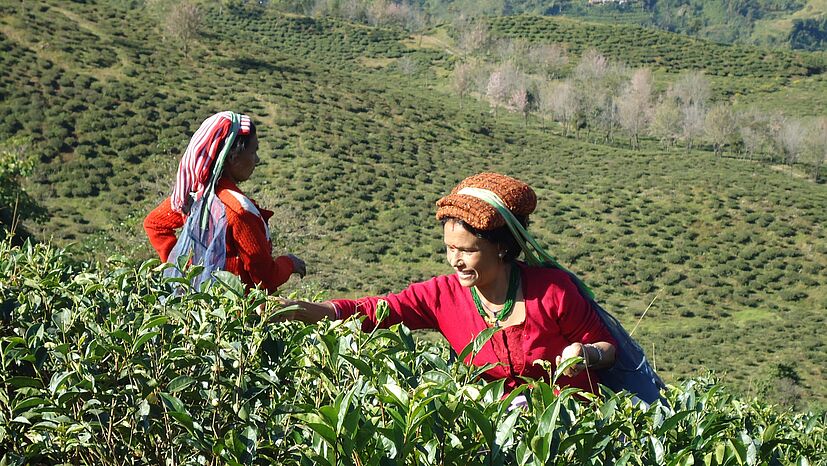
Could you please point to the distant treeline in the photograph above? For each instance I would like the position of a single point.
(727, 21)
(809, 34)
(608, 100)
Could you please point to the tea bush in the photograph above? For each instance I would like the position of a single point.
(113, 364)
(353, 147)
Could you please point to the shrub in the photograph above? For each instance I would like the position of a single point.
(111, 366)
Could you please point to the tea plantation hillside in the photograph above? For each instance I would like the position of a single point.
(359, 138)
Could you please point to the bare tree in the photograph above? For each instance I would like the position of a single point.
(520, 101)
(817, 145)
(473, 36)
(790, 140)
(513, 50)
(667, 122)
(597, 82)
(548, 59)
(564, 105)
(692, 92)
(461, 79)
(592, 65)
(693, 123)
(497, 89)
(545, 97)
(692, 88)
(721, 127)
(183, 23)
(386, 12)
(754, 132)
(353, 10)
(634, 105)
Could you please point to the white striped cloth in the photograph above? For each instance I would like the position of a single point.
(203, 149)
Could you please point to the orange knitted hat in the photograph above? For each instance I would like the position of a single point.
(516, 195)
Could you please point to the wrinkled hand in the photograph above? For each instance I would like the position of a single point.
(571, 351)
(298, 265)
(277, 316)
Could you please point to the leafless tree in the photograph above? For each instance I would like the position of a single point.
(461, 79)
(183, 23)
(400, 14)
(693, 123)
(754, 132)
(592, 65)
(497, 89)
(513, 50)
(520, 101)
(473, 36)
(692, 88)
(634, 105)
(721, 127)
(548, 59)
(545, 98)
(817, 145)
(790, 139)
(597, 81)
(564, 105)
(692, 92)
(667, 122)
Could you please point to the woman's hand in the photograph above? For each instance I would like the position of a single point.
(572, 351)
(597, 355)
(304, 311)
(299, 266)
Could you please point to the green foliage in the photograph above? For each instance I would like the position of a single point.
(110, 365)
(16, 162)
(355, 153)
(809, 34)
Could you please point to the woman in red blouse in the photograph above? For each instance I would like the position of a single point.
(540, 310)
(207, 168)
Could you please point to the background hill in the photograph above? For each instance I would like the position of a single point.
(798, 24)
(361, 132)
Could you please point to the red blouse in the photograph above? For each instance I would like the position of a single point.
(249, 251)
(556, 316)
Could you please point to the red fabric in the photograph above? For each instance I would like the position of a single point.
(556, 316)
(507, 345)
(249, 251)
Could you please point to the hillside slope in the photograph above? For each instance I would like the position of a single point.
(356, 149)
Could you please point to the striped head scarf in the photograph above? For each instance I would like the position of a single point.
(205, 148)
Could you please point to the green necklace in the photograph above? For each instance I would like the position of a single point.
(510, 297)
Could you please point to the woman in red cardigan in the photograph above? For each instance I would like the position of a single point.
(540, 310)
(207, 169)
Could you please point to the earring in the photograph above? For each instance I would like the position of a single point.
(502, 254)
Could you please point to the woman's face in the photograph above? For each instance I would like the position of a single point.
(475, 260)
(241, 167)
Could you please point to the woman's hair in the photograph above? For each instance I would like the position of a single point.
(501, 236)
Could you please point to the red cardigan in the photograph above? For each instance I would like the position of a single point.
(249, 251)
(556, 316)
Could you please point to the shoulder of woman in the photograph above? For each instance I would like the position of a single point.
(547, 281)
(237, 202)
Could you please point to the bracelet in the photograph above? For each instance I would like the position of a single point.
(599, 355)
(336, 311)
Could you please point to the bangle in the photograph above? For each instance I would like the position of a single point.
(599, 355)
